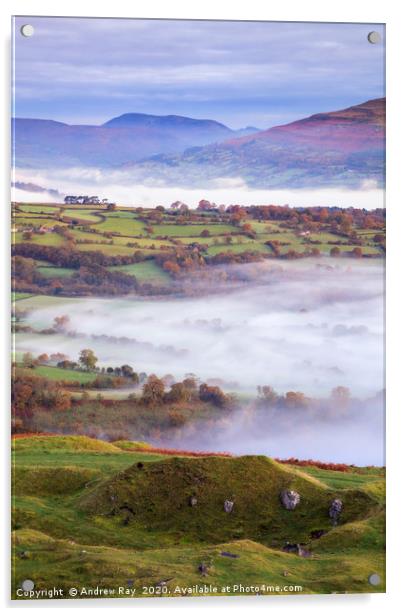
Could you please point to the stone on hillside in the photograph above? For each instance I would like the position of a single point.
(228, 506)
(229, 555)
(192, 501)
(291, 548)
(316, 534)
(335, 510)
(303, 552)
(290, 499)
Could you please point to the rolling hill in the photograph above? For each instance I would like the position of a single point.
(159, 496)
(86, 510)
(129, 137)
(340, 148)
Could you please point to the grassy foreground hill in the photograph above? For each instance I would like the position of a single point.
(157, 495)
(90, 514)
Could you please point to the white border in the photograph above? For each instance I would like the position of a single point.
(386, 11)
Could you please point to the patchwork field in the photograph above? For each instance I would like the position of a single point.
(123, 232)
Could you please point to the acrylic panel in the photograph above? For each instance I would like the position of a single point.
(198, 251)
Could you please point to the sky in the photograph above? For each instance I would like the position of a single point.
(86, 71)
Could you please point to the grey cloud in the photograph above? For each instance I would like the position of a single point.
(224, 62)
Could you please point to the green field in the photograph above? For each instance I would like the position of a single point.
(47, 239)
(208, 241)
(68, 532)
(107, 249)
(366, 250)
(18, 296)
(55, 272)
(38, 209)
(356, 478)
(144, 271)
(89, 236)
(239, 248)
(31, 302)
(33, 218)
(264, 227)
(125, 227)
(60, 374)
(192, 230)
(82, 215)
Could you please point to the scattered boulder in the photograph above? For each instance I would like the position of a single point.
(203, 569)
(291, 547)
(296, 548)
(335, 510)
(162, 583)
(290, 499)
(316, 534)
(228, 506)
(229, 555)
(302, 551)
(128, 514)
(192, 501)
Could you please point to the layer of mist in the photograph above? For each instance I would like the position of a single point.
(308, 326)
(118, 186)
(330, 430)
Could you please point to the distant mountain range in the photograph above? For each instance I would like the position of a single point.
(129, 137)
(340, 148)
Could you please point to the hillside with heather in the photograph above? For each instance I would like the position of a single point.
(342, 148)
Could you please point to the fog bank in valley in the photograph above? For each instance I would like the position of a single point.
(351, 434)
(308, 326)
(118, 186)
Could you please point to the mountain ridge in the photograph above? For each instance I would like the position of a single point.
(129, 137)
(338, 148)
(134, 118)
